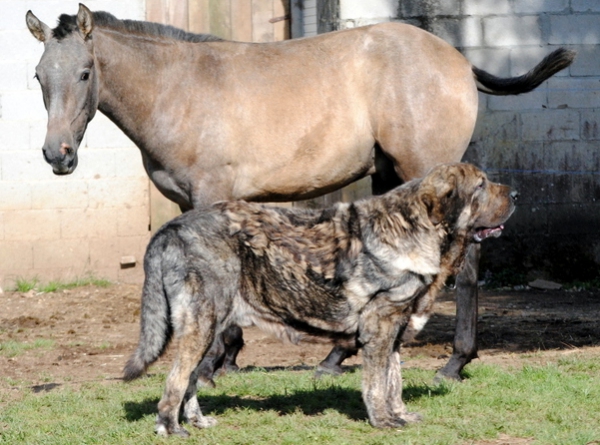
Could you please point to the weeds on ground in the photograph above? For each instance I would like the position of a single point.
(13, 348)
(589, 285)
(504, 278)
(26, 285)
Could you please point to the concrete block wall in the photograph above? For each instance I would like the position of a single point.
(544, 143)
(63, 227)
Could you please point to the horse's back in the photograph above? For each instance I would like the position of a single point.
(307, 113)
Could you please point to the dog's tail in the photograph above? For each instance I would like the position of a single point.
(156, 328)
(550, 65)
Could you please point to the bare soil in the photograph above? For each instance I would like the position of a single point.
(95, 329)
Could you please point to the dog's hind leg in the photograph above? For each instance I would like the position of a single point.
(191, 408)
(181, 387)
(194, 333)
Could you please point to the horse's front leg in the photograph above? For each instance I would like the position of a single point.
(234, 342)
(465, 336)
(332, 364)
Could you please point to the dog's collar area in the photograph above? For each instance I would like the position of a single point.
(487, 232)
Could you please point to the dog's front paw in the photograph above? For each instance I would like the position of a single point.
(203, 422)
(163, 430)
(397, 421)
(412, 417)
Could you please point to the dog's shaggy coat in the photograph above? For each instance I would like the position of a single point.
(352, 273)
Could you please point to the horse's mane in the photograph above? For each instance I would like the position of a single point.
(67, 24)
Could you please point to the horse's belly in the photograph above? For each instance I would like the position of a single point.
(307, 173)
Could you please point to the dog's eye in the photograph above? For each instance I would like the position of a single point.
(481, 185)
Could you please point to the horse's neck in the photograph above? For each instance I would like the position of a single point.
(130, 82)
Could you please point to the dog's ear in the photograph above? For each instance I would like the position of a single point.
(440, 199)
(433, 208)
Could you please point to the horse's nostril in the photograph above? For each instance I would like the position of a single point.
(514, 195)
(66, 149)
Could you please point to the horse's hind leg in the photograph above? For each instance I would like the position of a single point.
(221, 355)
(465, 336)
(385, 177)
(234, 342)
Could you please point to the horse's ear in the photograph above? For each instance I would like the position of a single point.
(39, 29)
(85, 21)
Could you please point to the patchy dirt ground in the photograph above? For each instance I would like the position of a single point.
(94, 330)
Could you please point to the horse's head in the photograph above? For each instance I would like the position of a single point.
(69, 82)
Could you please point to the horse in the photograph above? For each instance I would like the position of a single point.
(283, 121)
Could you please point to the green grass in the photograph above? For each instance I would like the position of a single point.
(25, 285)
(13, 348)
(555, 404)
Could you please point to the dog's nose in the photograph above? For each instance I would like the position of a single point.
(514, 195)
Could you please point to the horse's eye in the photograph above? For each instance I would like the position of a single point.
(85, 75)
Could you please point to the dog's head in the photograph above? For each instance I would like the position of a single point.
(460, 198)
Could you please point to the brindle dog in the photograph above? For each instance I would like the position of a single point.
(353, 274)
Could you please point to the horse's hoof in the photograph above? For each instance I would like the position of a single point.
(323, 370)
(206, 382)
(231, 367)
(441, 377)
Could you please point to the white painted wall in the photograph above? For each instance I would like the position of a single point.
(355, 13)
(60, 227)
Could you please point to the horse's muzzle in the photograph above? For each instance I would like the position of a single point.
(64, 163)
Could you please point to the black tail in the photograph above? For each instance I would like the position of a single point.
(550, 65)
(156, 329)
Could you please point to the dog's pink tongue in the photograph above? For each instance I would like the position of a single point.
(493, 232)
